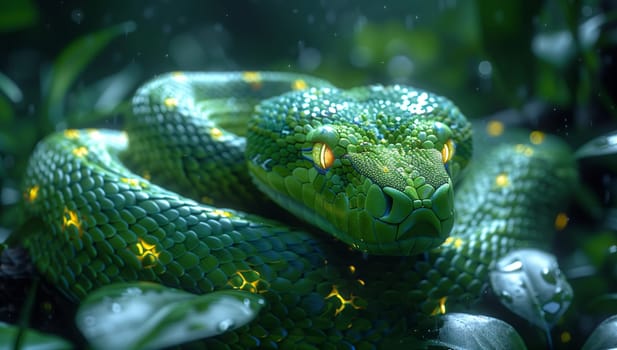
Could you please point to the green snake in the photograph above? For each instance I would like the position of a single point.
(374, 169)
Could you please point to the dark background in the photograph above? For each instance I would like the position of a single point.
(542, 64)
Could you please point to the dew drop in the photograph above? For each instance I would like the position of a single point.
(506, 296)
(225, 325)
(551, 307)
(116, 308)
(77, 16)
(485, 69)
(513, 266)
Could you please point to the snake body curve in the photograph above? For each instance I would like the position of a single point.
(104, 223)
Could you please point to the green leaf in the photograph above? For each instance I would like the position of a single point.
(17, 14)
(606, 303)
(530, 284)
(31, 339)
(461, 331)
(6, 116)
(604, 336)
(10, 89)
(589, 31)
(103, 98)
(147, 315)
(72, 61)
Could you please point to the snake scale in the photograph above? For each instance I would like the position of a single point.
(375, 167)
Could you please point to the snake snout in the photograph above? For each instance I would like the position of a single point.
(414, 220)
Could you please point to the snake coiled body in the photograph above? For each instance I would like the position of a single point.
(372, 166)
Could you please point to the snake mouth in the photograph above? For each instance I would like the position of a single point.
(411, 221)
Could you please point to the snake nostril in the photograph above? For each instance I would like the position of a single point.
(377, 203)
(389, 201)
(400, 205)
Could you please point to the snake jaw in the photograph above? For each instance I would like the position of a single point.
(403, 226)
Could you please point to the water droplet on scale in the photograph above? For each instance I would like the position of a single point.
(513, 266)
(225, 325)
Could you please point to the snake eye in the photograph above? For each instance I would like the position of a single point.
(323, 156)
(447, 152)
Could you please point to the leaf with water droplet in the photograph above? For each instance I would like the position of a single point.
(31, 339)
(464, 331)
(604, 336)
(530, 284)
(147, 315)
(605, 145)
(72, 60)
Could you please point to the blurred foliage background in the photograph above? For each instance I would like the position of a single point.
(546, 64)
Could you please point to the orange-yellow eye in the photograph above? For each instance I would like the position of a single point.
(447, 152)
(322, 156)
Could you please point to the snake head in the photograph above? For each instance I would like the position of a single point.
(376, 176)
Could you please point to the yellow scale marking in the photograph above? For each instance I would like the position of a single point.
(441, 309)
(70, 218)
(71, 134)
(179, 77)
(222, 213)
(526, 150)
(253, 78)
(216, 133)
(171, 102)
(80, 152)
(344, 302)
(32, 193)
(299, 84)
(456, 242)
(502, 180)
(133, 182)
(249, 280)
(147, 251)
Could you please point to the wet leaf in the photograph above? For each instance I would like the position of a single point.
(589, 31)
(557, 48)
(147, 315)
(99, 100)
(599, 146)
(10, 89)
(73, 60)
(6, 116)
(463, 331)
(32, 340)
(604, 336)
(530, 284)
